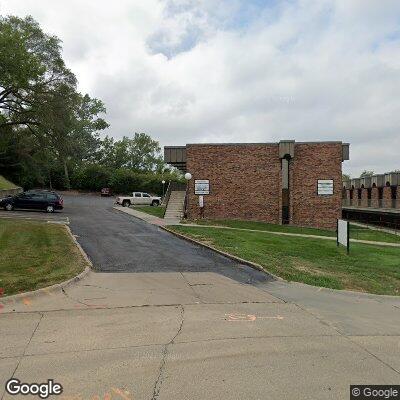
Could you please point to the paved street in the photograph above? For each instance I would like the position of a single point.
(161, 318)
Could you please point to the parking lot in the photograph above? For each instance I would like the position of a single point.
(57, 216)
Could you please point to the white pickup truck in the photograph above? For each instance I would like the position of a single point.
(138, 198)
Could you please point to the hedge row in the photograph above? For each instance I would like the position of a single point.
(124, 181)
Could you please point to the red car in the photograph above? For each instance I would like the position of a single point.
(105, 192)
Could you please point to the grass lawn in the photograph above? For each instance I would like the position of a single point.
(317, 262)
(35, 255)
(157, 211)
(5, 184)
(356, 232)
(364, 233)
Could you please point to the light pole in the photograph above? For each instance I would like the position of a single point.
(188, 177)
(163, 187)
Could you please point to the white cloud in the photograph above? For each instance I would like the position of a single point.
(188, 71)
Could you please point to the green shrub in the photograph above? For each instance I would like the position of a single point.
(94, 177)
(91, 177)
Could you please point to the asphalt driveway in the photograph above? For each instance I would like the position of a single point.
(164, 319)
(116, 242)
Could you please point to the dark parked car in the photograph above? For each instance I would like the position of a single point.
(34, 199)
(106, 192)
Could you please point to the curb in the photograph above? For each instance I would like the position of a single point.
(250, 264)
(57, 286)
(85, 256)
(258, 267)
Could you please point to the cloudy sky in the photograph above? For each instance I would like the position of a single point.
(187, 71)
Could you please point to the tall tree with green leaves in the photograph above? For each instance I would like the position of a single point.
(140, 153)
(70, 125)
(31, 66)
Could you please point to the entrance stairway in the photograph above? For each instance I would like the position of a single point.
(175, 205)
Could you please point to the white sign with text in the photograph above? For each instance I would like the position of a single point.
(201, 186)
(325, 187)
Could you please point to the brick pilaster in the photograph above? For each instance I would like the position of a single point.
(387, 197)
(364, 197)
(374, 197)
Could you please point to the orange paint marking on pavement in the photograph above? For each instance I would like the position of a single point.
(123, 394)
(107, 396)
(247, 317)
(26, 301)
(277, 317)
(240, 317)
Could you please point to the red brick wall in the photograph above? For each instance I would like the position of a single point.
(364, 197)
(313, 161)
(244, 181)
(398, 197)
(374, 197)
(387, 193)
(387, 197)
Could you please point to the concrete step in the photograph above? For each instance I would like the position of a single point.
(175, 205)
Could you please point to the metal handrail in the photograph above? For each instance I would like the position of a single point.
(167, 194)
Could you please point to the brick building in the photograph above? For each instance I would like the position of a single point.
(297, 183)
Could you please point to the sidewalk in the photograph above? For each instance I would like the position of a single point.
(376, 228)
(151, 219)
(295, 234)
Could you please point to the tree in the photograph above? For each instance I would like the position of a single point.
(31, 67)
(144, 153)
(366, 174)
(141, 153)
(345, 177)
(69, 125)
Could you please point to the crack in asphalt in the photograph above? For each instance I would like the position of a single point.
(196, 341)
(90, 308)
(101, 287)
(71, 298)
(24, 352)
(196, 295)
(161, 371)
(347, 337)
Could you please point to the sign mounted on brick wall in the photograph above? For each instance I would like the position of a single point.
(201, 186)
(325, 187)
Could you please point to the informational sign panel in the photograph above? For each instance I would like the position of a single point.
(201, 186)
(325, 187)
(343, 233)
(201, 201)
